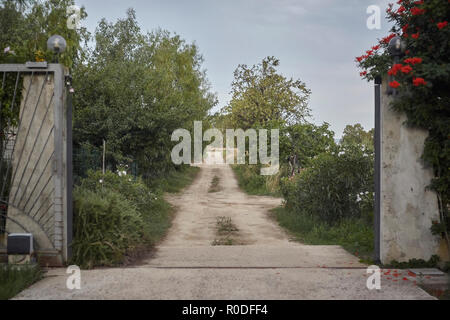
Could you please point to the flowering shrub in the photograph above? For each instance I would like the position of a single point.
(422, 79)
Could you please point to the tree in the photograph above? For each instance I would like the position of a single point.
(26, 25)
(306, 141)
(262, 97)
(356, 135)
(135, 89)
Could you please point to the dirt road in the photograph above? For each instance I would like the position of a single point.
(258, 262)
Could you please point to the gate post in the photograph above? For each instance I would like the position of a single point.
(408, 208)
(36, 185)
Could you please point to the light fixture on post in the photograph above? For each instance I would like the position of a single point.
(57, 45)
(397, 49)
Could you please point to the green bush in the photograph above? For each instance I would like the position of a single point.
(134, 190)
(116, 216)
(337, 186)
(106, 227)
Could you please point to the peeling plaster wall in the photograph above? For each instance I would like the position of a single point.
(408, 208)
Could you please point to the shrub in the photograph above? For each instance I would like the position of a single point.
(336, 186)
(106, 227)
(115, 216)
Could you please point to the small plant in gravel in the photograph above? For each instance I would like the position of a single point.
(226, 230)
(215, 185)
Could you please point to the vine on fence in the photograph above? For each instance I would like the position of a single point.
(422, 79)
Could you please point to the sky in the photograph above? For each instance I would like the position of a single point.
(316, 41)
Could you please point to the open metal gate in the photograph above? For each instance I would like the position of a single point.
(35, 158)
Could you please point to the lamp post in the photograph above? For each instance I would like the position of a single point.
(396, 49)
(57, 45)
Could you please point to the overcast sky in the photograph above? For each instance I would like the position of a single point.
(315, 40)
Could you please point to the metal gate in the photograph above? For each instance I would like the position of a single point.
(35, 158)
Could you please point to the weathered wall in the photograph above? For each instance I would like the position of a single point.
(408, 208)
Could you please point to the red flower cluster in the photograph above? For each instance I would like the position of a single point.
(406, 69)
(413, 61)
(401, 10)
(417, 11)
(419, 82)
(394, 84)
(362, 74)
(442, 25)
(415, 35)
(395, 69)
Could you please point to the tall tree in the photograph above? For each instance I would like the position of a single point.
(263, 96)
(135, 90)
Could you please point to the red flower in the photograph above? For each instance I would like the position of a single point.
(419, 82)
(442, 25)
(387, 39)
(405, 28)
(406, 69)
(394, 84)
(369, 52)
(415, 35)
(413, 61)
(416, 11)
(395, 69)
(359, 59)
(362, 74)
(417, 3)
(375, 48)
(401, 9)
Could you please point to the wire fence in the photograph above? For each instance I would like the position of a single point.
(91, 158)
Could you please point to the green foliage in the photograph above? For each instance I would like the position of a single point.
(354, 235)
(135, 90)
(174, 181)
(25, 27)
(114, 216)
(106, 227)
(117, 216)
(251, 181)
(306, 141)
(336, 186)
(264, 98)
(426, 103)
(415, 263)
(14, 279)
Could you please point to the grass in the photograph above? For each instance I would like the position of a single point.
(254, 184)
(14, 279)
(355, 236)
(176, 181)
